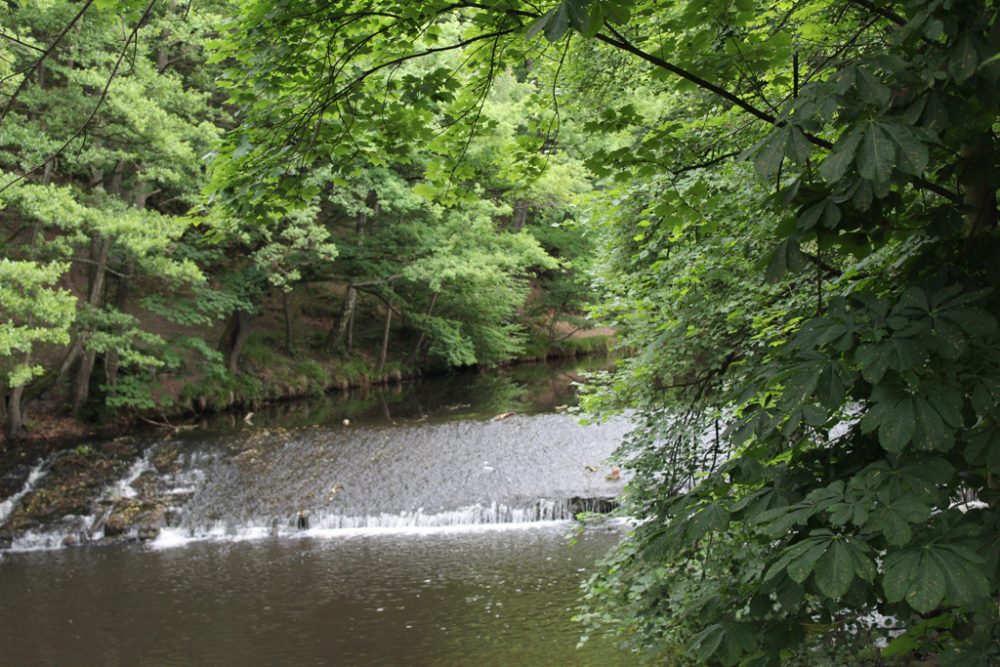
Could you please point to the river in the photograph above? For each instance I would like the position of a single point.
(402, 526)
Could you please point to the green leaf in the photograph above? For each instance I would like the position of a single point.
(915, 576)
(835, 570)
(964, 59)
(898, 426)
(799, 148)
(872, 90)
(707, 642)
(899, 568)
(928, 585)
(984, 448)
(876, 155)
(786, 257)
(801, 566)
(913, 155)
(893, 519)
(840, 159)
(587, 23)
(769, 154)
(875, 361)
(713, 517)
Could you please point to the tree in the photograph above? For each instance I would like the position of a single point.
(854, 467)
(34, 312)
(102, 151)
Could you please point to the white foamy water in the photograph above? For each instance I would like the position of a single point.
(7, 506)
(476, 518)
(123, 487)
(53, 538)
(172, 538)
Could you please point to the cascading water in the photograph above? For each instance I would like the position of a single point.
(322, 480)
(425, 469)
(8, 505)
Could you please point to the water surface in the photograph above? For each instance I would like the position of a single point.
(435, 536)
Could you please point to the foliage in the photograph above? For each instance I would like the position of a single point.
(34, 312)
(789, 207)
(832, 432)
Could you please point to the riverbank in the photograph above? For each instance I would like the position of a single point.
(269, 372)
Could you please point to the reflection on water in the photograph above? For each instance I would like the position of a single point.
(522, 388)
(495, 597)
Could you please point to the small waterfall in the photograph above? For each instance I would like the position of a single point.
(330, 481)
(478, 517)
(36, 474)
(123, 487)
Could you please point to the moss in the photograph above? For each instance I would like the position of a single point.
(318, 376)
(355, 369)
(259, 351)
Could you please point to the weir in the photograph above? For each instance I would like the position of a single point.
(331, 479)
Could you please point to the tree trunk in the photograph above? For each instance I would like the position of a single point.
(14, 426)
(112, 359)
(520, 215)
(233, 337)
(373, 203)
(162, 53)
(385, 339)
(288, 322)
(111, 362)
(420, 339)
(350, 333)
(81, 384)
(99, 248)
(980, 195)
(337, 336)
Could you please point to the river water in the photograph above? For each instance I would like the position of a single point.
(422, 532)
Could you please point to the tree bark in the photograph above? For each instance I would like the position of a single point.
(233, 337)
(350, 333)
(385, 340)
(980, 195)
(14, 426)
(162, 53)
(288, 321)
(112, 359)
(99, 248)
(423, 336)
(344, 328)
(520, 215)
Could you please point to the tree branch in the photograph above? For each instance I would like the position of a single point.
(45, 54)
(20, 43)
(884, 12)
(620, 42)
(100, 100)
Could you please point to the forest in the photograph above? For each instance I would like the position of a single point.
(783, 216)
